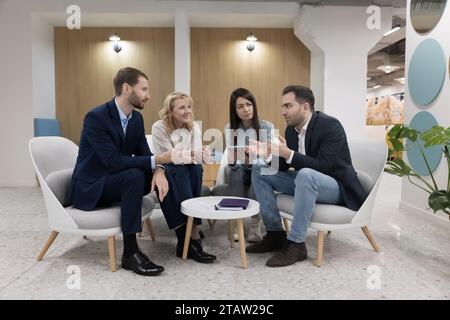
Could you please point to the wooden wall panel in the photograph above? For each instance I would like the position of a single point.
(221, 63)
(85, 65)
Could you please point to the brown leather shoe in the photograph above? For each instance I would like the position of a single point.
(289, 254)
(272, 241)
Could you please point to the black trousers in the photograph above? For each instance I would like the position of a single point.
(127, 187)
(240, 181)
(185, 182)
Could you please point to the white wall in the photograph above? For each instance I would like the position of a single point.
(43, 64)
(16, 98)
(341, 35)
(413, 198)
(318, 78)
(182, 53)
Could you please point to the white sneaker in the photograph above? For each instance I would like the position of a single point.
(254, 233)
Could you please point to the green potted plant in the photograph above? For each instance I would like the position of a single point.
(438, 199)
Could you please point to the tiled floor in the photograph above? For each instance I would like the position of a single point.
(414, 262)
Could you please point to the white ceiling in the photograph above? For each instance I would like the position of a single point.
(354, 3)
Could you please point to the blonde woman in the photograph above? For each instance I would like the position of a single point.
(177, 132)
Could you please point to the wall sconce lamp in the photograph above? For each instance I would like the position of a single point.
(117, 47)
(251, 39)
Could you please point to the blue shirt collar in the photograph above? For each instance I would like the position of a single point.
(121, 113)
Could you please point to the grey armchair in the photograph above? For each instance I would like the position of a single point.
(369, 158)
(54, 159)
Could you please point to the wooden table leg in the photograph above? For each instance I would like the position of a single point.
(231, 228)
(187, 238)
(240, 225)
(320, 239)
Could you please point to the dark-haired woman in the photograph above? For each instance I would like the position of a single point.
(244, 126)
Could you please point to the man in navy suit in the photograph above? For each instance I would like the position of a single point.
(316, 148)
(115, 164)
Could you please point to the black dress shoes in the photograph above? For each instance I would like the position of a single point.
(198, 245)
(196, 252)
(140, 264)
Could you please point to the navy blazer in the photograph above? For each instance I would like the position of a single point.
(104, 150)
(327, 151)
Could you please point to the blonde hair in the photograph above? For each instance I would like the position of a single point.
(166, 112)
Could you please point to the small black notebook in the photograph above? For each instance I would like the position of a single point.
(232, 204)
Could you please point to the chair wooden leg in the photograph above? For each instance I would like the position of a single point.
(149, 225)
(370, 238)
(286, 224)
(141, 234)
(320, 239)
(47, 245)
(112, 252)
(211, 223)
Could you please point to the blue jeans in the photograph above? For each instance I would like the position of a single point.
(307, 186)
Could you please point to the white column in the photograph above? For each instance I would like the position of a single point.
(182, 52)
(16, 98)
(318, 78)
(340, 40)
(43, 60)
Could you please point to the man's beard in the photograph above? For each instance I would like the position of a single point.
(135, 101)
(295, 121)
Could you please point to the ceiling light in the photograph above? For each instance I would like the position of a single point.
(401, 80)
(376, 86)
(251, 39)
(114, 37)
(394, 29)
(396, 24)
(387, 68)
(117, 47)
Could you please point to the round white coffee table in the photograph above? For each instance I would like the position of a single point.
(203, 207)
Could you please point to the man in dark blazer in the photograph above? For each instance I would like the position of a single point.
(316, 148)
(115, 164)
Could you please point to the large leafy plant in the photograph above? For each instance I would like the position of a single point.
(438, 199)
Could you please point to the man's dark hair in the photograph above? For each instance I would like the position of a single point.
(302, 95)
(127, 75)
